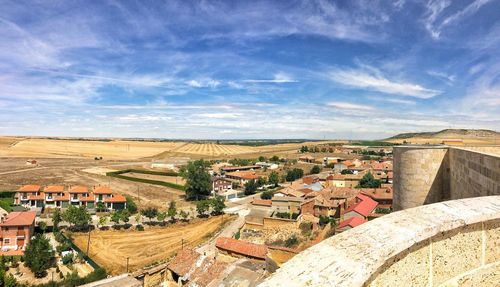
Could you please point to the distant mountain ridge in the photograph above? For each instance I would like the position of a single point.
(450, 133)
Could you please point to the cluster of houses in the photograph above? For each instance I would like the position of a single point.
(328, 194)
(34, 197)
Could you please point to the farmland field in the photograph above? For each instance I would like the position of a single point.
(110, 249)
(126, 150)
(171, 179)
(80, 148)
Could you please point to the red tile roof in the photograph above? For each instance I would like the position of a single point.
(38, 197)
(53, 188)
(22, 218)
(116, 198)
(29, 188)
(79, 189)
(378, 193)
(262, 202)
(103, 190)
(352, 222)
(64, 197)
(364, 207)
(243, 175)
(241, 247)
(91, 197)
(183, 262)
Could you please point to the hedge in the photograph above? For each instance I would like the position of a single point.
(119, 174)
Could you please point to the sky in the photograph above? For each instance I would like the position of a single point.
(248, 69)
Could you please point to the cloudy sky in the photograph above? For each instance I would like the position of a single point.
(248, 69)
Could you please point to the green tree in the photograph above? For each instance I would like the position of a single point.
(202, 207)
(138, 218)
(161, 216)
(217, 204)
(131, 206)
(150, 212)
(77, 216)
(315, 169)
(266, 194)
(116, 217)
(184, 215)
(39, 255)
(100, 207)
(261, 181)
(274, 158)
(10, 281)
(43, 226)
(368, 181)
(262, 158)
(250, 187)
(125, 216)
(103, 220)
(294, 174)
(172, 210)
(274, 178)
(198, 181)
(56, 218)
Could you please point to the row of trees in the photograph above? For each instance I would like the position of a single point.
(252, 185)
(315, 149)
(217, 204)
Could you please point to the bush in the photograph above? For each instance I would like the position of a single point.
(294, 216)
(323, 220)
(291, 241)
(131, 206)
(315, 169)
(139, 227)
(64, 246)
(59, 237)
(305, 227)
(266, 194)
(67, 259)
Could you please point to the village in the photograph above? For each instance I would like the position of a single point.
(238, 220)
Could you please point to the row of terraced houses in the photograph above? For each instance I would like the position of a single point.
(33, 196)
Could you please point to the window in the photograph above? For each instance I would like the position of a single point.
(6, 241)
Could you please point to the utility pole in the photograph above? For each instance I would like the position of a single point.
(138, 197)
(182, 243)
(127, 263)
(88, 243)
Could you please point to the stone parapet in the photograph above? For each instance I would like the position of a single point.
(427, 245)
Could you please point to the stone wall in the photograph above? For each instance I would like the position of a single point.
(429, 245)
(473, 173)
(420, 175)
(429, 174)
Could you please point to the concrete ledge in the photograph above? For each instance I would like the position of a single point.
(358, 256)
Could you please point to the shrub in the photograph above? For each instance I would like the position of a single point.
(291, 241)
(67, 259)
(305, 227)
(323, 220)
(59, 237)
(139, 227)
(266, 194)
(294, 216)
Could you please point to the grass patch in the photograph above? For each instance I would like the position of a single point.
(6, 200)
(119, 174)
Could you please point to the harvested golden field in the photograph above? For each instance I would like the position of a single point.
(110, 249)
(81, 148)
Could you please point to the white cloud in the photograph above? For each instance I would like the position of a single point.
(203, 83)
(350, 106)
(220, 115)
(436, 7)
(278, 78)
(375, 81)
(449, 79)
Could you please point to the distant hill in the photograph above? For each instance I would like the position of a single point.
(469, 136)
(451, 133)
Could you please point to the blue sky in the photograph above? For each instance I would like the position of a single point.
(248, 69)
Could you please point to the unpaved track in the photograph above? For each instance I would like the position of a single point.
(110, 249)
